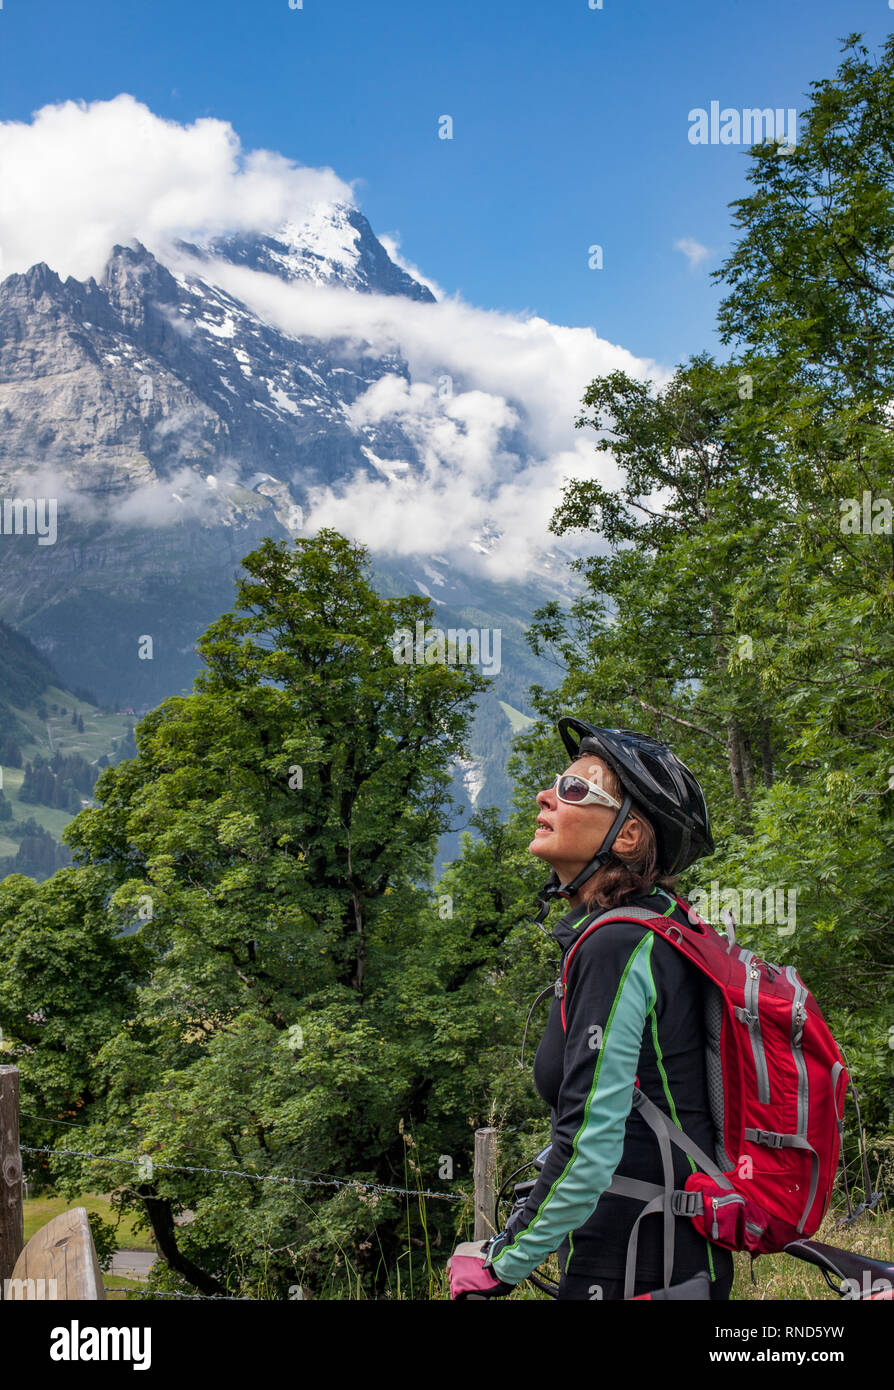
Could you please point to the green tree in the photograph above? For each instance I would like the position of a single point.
(268, 854)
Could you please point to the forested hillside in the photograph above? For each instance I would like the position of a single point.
(54, 742)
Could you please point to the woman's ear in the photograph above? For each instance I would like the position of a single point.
(631, 836)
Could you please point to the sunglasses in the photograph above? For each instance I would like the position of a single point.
(578, 791)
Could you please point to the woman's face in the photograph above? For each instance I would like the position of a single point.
(568, 836)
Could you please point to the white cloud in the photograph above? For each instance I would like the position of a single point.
(81, 177)
(492, 398)
(693, 250)
(497, 448)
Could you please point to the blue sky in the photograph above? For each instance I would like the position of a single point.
(570, 124)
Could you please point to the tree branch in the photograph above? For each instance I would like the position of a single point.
(698, 728)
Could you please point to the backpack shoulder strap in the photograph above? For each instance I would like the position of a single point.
(613, 914)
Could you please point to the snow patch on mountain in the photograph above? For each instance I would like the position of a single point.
(321, 245)
(285, 401)
(473, 777)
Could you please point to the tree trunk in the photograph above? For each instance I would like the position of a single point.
(161, 1218)
(734, 757)
(747, 761)
(360, 957)
(733, 751)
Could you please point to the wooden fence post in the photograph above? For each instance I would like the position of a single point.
(59, 1261)
(12, 1219)
(485, 1183)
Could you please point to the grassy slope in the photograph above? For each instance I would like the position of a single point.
(40, 1210)
(779, 1276)
(58, 734)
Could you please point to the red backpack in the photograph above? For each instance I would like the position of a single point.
(776, 1086)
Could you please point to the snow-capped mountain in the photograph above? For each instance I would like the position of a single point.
(177, 427)
(333, 245)
(147, 371)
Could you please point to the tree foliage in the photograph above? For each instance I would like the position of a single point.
(257, 885)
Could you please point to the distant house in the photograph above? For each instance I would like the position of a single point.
(127, 710)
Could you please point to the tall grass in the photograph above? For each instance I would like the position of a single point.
(781, 1276)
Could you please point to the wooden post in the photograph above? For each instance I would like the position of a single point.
(485, 1183)
(59, 1261)
(12, 1216)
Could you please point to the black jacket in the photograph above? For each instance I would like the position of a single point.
(634, 1014)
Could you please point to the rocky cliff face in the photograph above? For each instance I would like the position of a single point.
(115, 385)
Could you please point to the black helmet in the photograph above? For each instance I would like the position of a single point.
(653, 779)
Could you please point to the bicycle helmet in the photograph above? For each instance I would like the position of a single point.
(655, 780)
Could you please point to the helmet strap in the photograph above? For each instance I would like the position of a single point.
(554, 888)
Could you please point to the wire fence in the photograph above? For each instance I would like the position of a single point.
(320, 1180)
(324, 1180)
(238, 1173)
(139, 1294)
(131, 1295)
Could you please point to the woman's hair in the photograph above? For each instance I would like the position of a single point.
(638, 870)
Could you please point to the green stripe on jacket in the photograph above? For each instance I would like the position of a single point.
(599, 1142)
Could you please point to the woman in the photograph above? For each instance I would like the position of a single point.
(633, 1017)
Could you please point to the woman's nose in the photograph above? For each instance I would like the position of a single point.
(546, 797)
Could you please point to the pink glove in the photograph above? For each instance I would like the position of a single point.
(468, 1275)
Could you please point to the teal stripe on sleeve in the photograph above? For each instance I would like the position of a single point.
(599, 1142)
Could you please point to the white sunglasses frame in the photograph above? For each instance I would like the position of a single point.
(595, 794)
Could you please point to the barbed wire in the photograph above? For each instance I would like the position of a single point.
(254, 1177)
(74, 1124)
(48, 1119)
(161, 1293)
